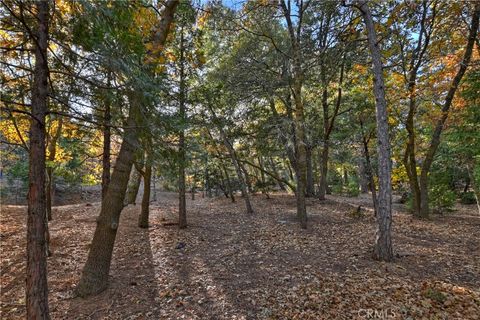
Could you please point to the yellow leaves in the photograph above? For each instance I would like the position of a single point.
(202, 19)
(146, 20)
(63, 7)
(15, 129)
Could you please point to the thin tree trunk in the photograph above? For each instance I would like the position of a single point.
(106, 148)
(229, 183)
(182, 204)
(235, 162)
(36, 284)
(368, 169)
(322, 188)
(328, 125)
(363, 177)
(133, 186)
(95, 273)
(147, 177)
(476, 190)
(276, 173)
(194, 185)
(310, 192)
(383, 249)
(52, 152)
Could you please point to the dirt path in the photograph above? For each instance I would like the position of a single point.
(227, 265)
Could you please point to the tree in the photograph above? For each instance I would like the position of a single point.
(37, 289)
(95, 273)
(383, 243)
(299, 116)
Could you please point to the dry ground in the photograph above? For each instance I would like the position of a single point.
(227, 265)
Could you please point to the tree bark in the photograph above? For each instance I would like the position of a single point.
(95, 273)
(106, 148)
(133, 186)
(475, 187)
(52, 151)
(147, 177)
(383, 249)
(36, 284)
(229, 183)
(322, 188)
(310, 192)
(182, 205)
(368, 168)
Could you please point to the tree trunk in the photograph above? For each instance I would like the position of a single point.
(182, 204)
(363, 177)
(328, 124)
(475, 187)
(145, 211)
(229, 183)
(36, 284)
(95, 273)
(106, 149)
(133, 186)
(238, 169)
(194, 185)
(322, 188)
(52, 151)
(280, 184)
(369, 170)
(235, 162)
(383, 249)
(310, 192)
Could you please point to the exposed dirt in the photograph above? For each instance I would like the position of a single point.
(227, 265)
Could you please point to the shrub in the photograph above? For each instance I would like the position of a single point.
(337, 189)
(352, 189)
(468, 198)
(442, 198)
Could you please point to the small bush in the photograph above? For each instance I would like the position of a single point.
(468, 198)
(337, 189)
(352, 189)
(442, 198)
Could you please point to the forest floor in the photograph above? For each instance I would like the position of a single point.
(227, 265)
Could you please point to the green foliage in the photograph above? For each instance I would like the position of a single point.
(352, 189)
(435, 295)
(468, 198)
(442, 198)
(18, 171)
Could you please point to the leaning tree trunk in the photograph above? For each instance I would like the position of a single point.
(95, 273)
(106, 149)
(145, 211)
(36, 284)
(229, 183)
(133, 186)
(383, 249)
(236, 164)
(241, 178)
